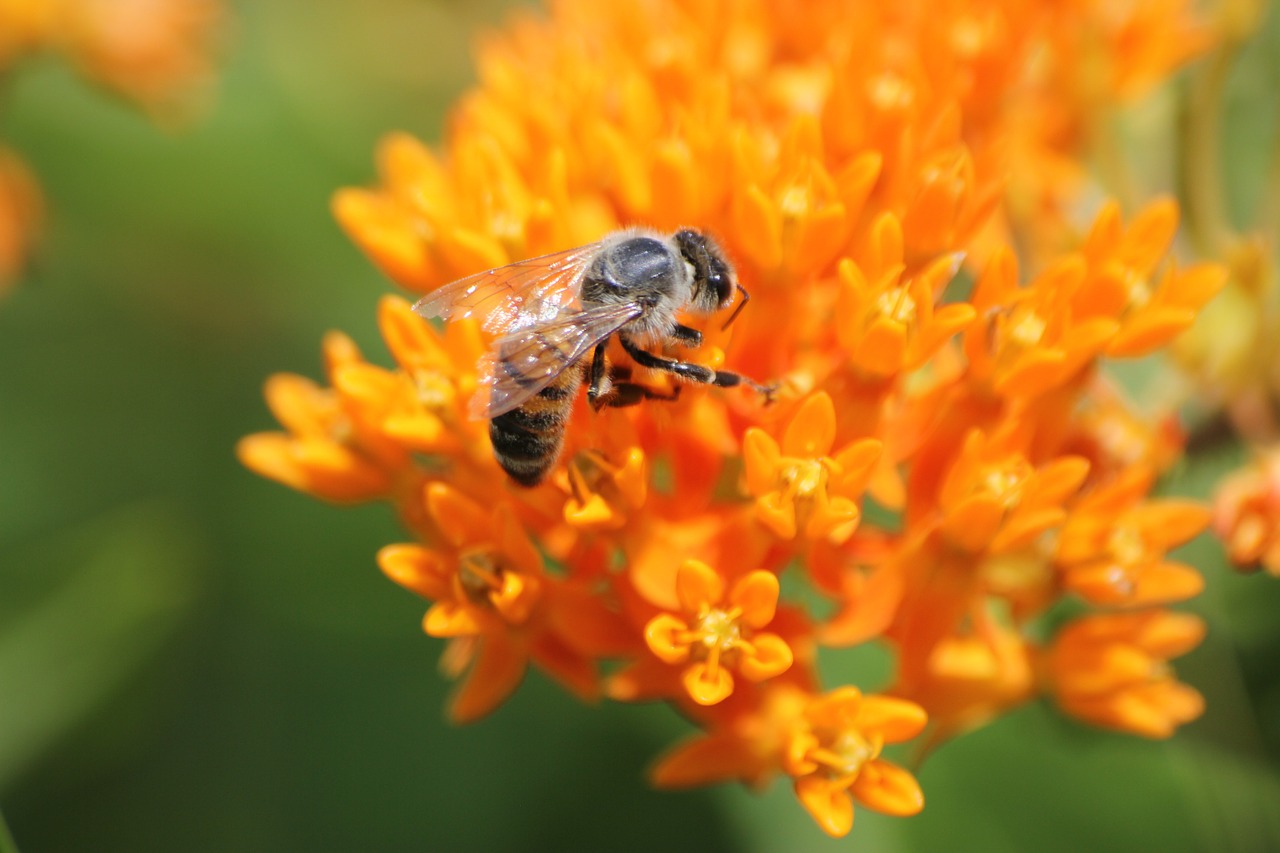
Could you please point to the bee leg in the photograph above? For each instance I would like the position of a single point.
(687, 336)
(601, 383)
(624, 394)
(695, 372)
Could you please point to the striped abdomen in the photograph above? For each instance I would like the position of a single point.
(527, 441)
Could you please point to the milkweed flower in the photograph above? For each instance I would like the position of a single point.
(717, 632)
(1246, 514)
(1112, 670)
(20, 205)
(830, 746)
(868, 171)
(153, 52)
(801, 485)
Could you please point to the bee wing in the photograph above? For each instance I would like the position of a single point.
(522, 294)
(529, 359)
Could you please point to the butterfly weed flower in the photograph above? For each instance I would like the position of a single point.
(20, 214)
(1112, 670)
(158, 54)
(867, 172)
(1246, 514)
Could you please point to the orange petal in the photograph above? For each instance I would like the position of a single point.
(828, 803)
(973, 523)
(884, 246)
(573, 671)
(582, 616)
(883, 348)
(594, 514)
(415, 568)
(857, 462)
(758, 226)
(632, 479)
(1197, 284)
(868, 609)
(1150, 234)
(772, 656)
(837, 709)
(705, 760)
(888, 789)
(706, 687)
(663, 636)
(497, 673)
(894, 719)
(760, 456)
(697, 585)
(409, 337)
(1168, 635)
(459, 518)
(1023, 527)
(757, 595)
(777, 514)
(450, 619)
(516, 598)
(812, 428)
(832, 518)
(386, 233)
(1035, 372)
(1174, 521)
(1059, 480)
(469, 250)
(1152, 329)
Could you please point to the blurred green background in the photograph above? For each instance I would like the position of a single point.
(195, 659)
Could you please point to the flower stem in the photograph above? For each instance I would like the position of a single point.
(1200, 163)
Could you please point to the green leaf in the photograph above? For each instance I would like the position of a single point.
(94, 606)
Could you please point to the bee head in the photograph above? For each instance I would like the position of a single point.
(713, 278)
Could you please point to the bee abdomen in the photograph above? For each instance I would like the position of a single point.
(527, 441)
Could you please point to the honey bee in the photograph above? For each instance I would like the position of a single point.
(549, 312)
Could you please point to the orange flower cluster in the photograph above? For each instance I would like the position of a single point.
(1246, 514)
(19, 215)
(945, 463)
(155, 53)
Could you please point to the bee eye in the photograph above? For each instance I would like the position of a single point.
(722, 281)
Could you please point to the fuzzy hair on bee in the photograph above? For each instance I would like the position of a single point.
(548, 313)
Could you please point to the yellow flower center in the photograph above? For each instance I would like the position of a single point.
(890, 90)
(1121, 437)
(804, 477)
(342, 431)
(1249, 535)
(1139, 291)
(1005, 484)
(479, 573)
(1011, 574)
(1126, 545)
(854, 751)
(507, 229)
(434, 391)
(844, 755)
(718, 629)
(796, 201)
(897, 305)
(1027, 329)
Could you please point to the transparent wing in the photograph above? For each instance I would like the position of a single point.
(516, 296)
(527, 360)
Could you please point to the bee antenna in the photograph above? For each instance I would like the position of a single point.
(736, 311)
